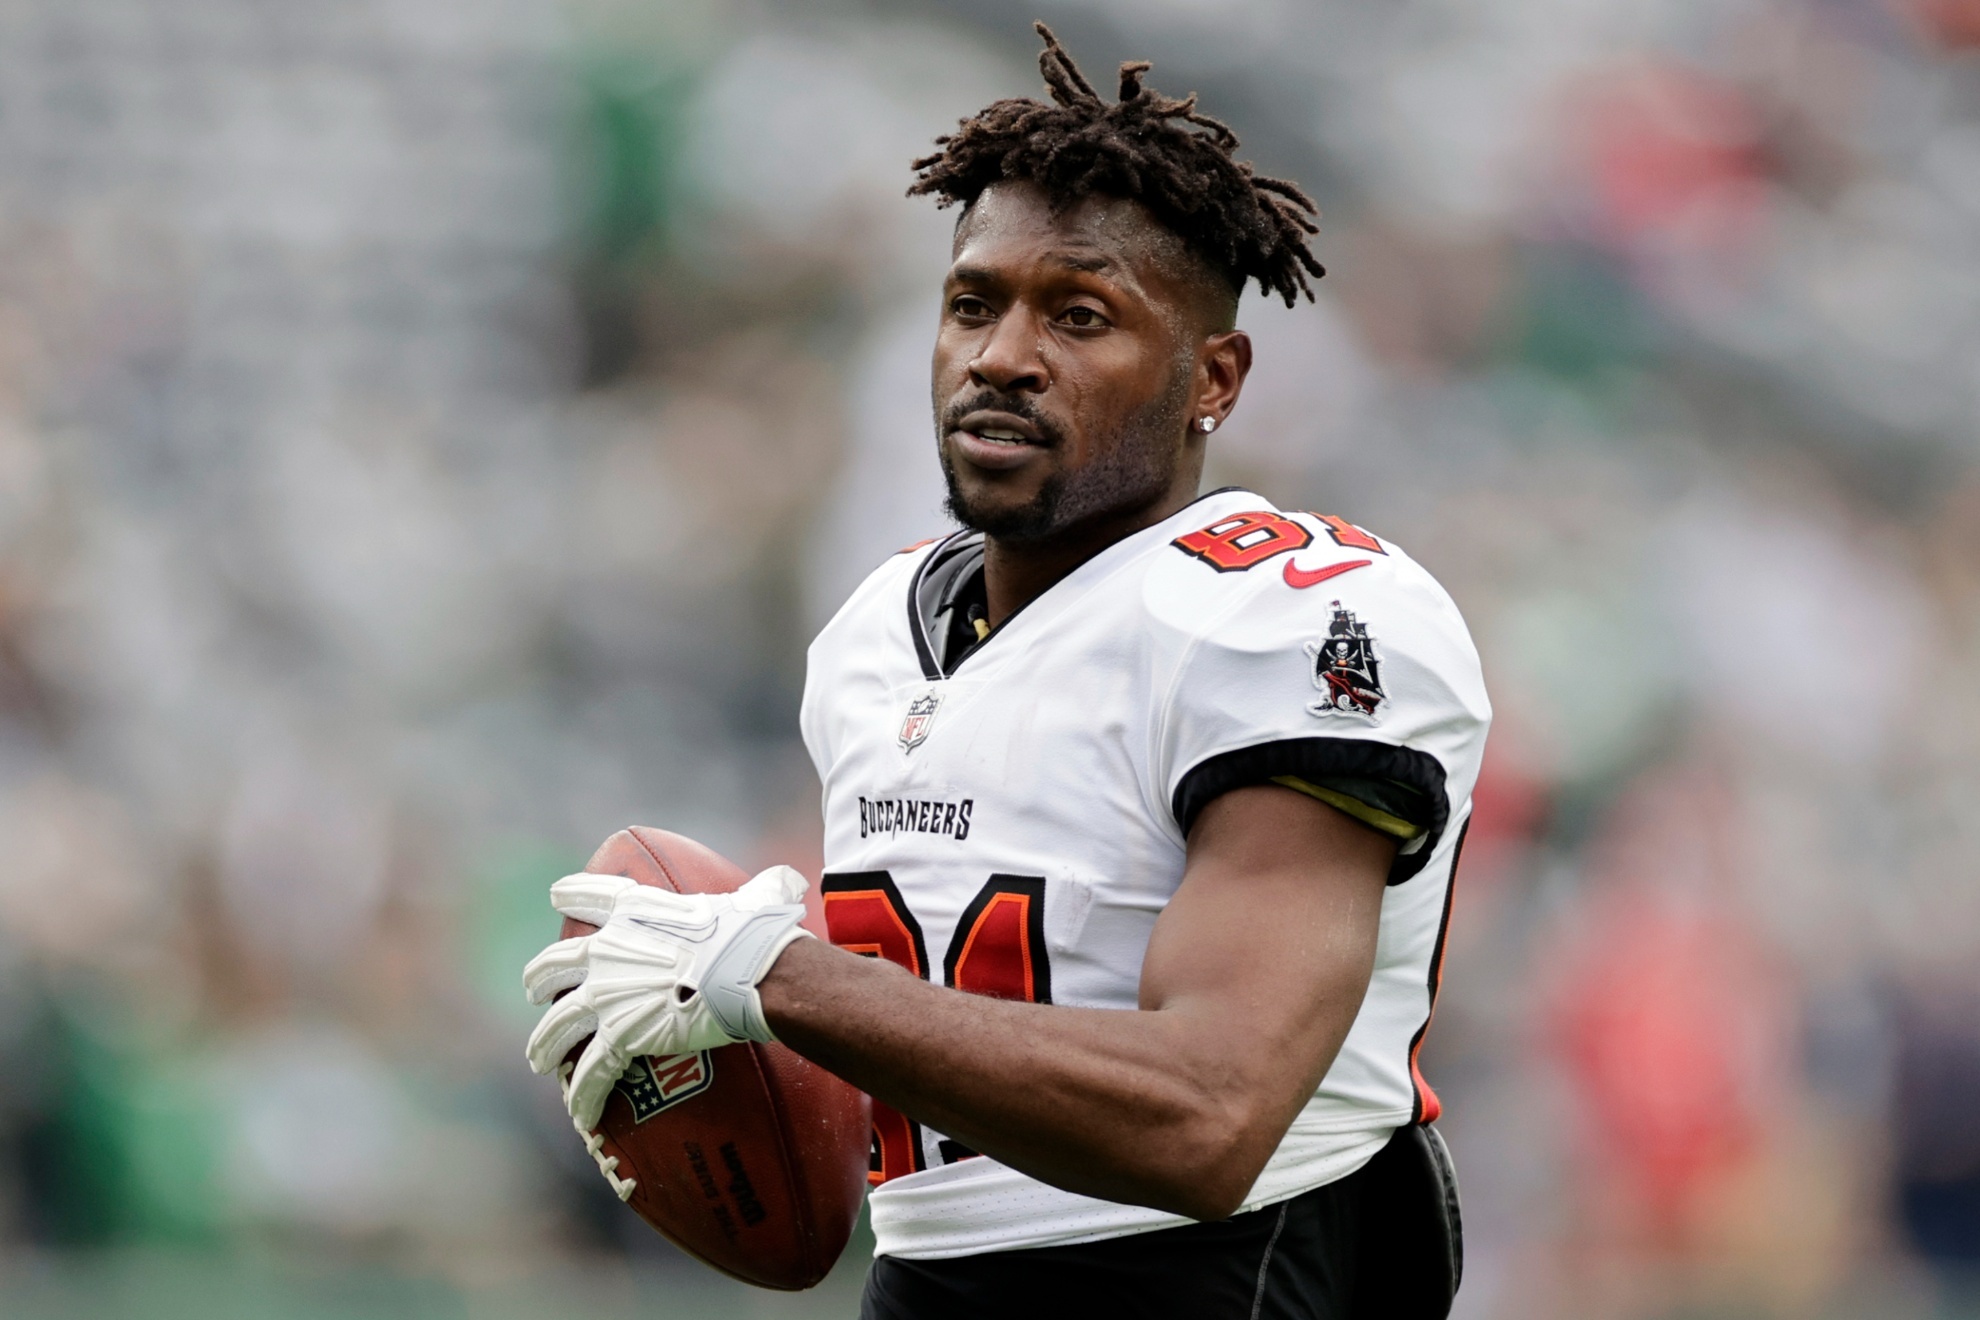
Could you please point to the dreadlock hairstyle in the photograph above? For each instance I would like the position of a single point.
(1146, 147)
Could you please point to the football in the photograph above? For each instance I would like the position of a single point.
(746, 1157)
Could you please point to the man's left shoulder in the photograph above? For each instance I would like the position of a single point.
(1273, 603)
(1319, 651)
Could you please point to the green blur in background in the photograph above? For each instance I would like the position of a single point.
(430, 434)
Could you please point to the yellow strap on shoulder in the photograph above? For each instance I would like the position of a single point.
(1395, 826)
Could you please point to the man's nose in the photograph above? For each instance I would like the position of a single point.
(1010, 359)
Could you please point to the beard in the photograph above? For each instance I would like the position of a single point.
(1135, 464)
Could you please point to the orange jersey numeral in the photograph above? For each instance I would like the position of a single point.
(1244, 540)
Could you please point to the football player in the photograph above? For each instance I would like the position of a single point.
(1139, 838)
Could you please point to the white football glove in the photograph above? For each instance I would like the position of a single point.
(665, 973)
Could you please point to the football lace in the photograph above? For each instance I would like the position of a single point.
(594, 1144)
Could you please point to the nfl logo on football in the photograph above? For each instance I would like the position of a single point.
(920, 714)
(654, 1084)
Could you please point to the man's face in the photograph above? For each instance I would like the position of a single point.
(1063, 366)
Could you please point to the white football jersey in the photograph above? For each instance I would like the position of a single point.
(1011, 821)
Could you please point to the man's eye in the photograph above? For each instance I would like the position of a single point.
(1082, 318)
(968, 306)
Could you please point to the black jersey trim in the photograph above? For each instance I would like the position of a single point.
(1317, 758)
(929, 669)
(938, 556)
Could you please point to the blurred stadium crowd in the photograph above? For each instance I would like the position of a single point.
(431, 431)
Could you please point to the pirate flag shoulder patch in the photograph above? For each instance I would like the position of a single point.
(1347, 668)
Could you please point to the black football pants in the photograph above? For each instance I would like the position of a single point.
(1291, 1261)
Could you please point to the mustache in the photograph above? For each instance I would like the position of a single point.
(1017, 405)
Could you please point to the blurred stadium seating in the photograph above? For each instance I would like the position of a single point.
(430, 432)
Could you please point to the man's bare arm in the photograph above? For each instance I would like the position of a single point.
(1254, 974)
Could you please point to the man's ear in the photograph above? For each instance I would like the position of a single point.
(1221, 366)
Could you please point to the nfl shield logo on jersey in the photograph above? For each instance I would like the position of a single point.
(1347, 669)
(920, 714)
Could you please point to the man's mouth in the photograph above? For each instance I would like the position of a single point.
(1000, 428)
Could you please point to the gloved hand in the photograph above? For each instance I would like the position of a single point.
(665, 973)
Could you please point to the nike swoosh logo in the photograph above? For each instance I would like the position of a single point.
(680, 930)
(1300, 577)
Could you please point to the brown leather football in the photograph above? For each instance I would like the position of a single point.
(747, 1156)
